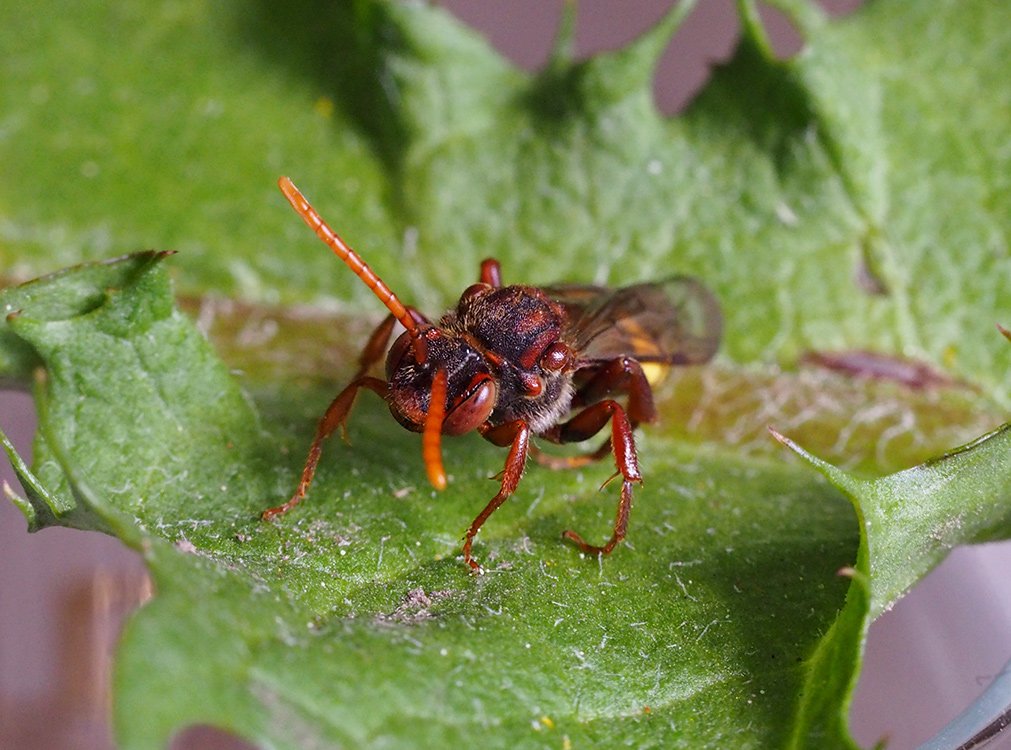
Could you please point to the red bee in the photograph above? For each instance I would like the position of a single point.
(513, 361)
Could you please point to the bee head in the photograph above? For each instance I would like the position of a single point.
(451, 392)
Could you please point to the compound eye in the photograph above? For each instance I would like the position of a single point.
(398, 351)
(556, 357)
(474, 409)
(474, 290)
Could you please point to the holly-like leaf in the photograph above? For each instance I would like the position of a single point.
(909, 521)
(913, 518)
(841, 200)
(358, 599)
(798, 188)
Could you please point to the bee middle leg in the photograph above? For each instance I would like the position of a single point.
(570, 462)
(620, 375)
(623, 374)
(585, 425)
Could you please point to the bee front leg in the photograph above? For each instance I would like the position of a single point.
(337, 413)
(375, 347)
(379, 340)
(515, 434)
(585, 425)
(335, 416)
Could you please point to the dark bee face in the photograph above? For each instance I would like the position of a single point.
(471, 391)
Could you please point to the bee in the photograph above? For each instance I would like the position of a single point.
(521, 362)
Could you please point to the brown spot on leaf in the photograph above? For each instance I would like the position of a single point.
(863, 364)
(870, 281)
(414, 607)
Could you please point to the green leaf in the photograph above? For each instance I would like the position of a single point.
(852, 198)
(787, 179)
(910, 520)
(913, 518)
(127, 333)
(359, 598)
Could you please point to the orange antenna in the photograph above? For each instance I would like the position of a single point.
(356, 264)
(431, 437)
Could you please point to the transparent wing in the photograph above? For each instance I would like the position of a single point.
(673, 322)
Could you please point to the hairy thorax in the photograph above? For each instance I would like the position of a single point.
(512, 327)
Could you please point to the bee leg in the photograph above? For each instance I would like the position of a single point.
(515, 434)
(622, 374)
(491, 273)
(379, 340)
(375, 347)
(570, 462)
(335, 416)
(337, 413)
(583, 426)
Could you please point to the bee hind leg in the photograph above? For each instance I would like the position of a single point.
(491, 273)
(570, 462)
